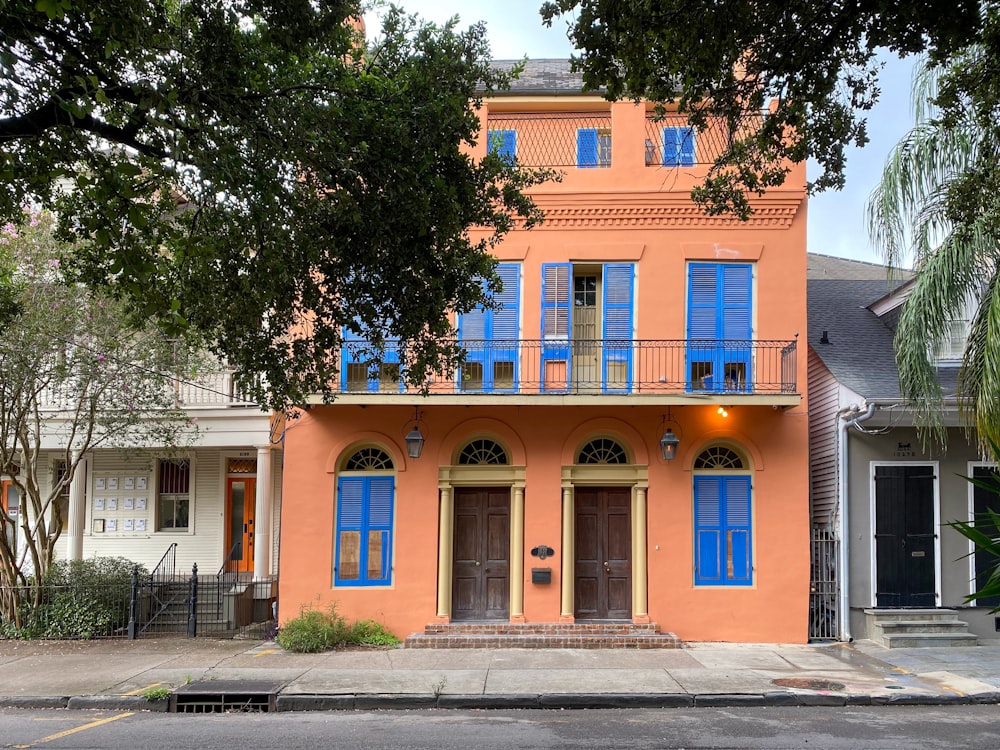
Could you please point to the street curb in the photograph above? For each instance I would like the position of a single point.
(32, 701)
(116, 703)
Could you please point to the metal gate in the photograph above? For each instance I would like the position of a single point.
(824, 588)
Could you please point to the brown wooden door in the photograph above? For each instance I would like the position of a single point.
(481, 584)
(603, 582)
(242, 495)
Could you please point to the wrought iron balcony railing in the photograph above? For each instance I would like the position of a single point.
(598, 366)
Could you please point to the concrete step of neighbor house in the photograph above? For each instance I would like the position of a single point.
(609, 634)
(918, 628)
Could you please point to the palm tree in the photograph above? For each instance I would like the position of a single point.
(938, 205)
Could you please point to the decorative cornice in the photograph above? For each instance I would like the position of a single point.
(670, 211)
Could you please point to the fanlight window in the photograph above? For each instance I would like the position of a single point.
(602, 451)
(483, 453)
(368, 459)
(719, 457)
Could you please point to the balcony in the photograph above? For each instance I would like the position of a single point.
(208, 390)
(560, 370)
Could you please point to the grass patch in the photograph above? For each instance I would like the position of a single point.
(316, 630)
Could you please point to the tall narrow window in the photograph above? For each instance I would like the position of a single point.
(365, 505)
(503, 143)
(173, 499)
(490, 337)
(723, 532)
(593, 147)
(719, 326)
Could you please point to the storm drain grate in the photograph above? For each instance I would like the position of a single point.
(218, 696)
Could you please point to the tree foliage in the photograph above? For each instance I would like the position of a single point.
(249, 170)
(73, 379)
(728, 58)
(938, 205)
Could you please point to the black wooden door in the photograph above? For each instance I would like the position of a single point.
(904, 536)
(481, 579)
(985, 500)
(603, 536)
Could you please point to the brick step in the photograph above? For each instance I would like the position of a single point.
(542, 628)
(529, 640)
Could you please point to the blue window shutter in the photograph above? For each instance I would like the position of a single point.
(503, 143)
(671, 147)
(708, 537)
(586, 147)
(702, 301)
(738, 531)
(735, 302)
(365, 505)
(686, 150)
(555, 316)
(619, 291)
(505, 320)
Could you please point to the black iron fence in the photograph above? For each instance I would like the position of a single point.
(598, 366)
(824, 588)
(223, 605)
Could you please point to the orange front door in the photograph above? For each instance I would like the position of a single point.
(240, 500)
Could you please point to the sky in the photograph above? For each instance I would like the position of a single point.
(836, 219)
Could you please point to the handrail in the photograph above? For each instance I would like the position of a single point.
(170, 554)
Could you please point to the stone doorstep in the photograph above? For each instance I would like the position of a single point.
(929, 640)
(541, 628)
(664, 640)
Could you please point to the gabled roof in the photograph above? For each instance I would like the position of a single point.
(855, 344)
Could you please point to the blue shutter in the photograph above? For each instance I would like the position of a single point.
(738, 531)
(354, 353)
(586, 147)
(504, 325)
(619, 289)
(686, 151)
(473, 334)
(723, 531)
(671, 147)
(555, 320)
(380, 507)
(720, 319)
(503, 143)
(708, 539)
(365, 505)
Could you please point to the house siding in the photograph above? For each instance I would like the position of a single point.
(824, 393)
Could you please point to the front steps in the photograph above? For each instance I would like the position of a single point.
(918, 628)
(542, 635)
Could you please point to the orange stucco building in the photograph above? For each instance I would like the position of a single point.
(627, 443)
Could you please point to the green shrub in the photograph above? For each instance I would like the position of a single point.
(314, 631)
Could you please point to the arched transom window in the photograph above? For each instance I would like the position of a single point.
(368, 459)
(602, 451)
(483, 452)
(719, 457)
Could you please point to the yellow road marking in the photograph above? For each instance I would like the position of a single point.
(267, 651)
(900, 670)
(91, 725)
(143, 689)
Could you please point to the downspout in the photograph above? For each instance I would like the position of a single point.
(847, 418)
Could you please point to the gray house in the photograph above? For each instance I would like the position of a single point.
(885, 565)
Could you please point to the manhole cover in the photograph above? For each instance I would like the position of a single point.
(808, 683)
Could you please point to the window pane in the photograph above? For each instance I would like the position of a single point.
(375, 541)
(349, 564)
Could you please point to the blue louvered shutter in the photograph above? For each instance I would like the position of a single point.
(720, 325)
(701, 324)
(736, 325)
(619, 290)
(505, 326)
(503, 143)
(708, 538)
(378, 557)
(671, 147)
(586, 147)
(350, 512)
(739, 553)
(686, 148)
(555, 323)
(472, 334)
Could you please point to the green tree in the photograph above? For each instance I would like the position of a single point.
(938, 204)
(71, 375)
(249, 170)
(728, 58)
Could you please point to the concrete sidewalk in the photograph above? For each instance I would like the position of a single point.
(118, 674)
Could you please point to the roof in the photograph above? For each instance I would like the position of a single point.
(543, 76)
(855, 344)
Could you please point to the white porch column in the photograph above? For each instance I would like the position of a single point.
(640, 557)
(263, 507)
(567, 576)
(77, 508)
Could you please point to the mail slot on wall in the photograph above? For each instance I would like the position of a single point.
(541, 575)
